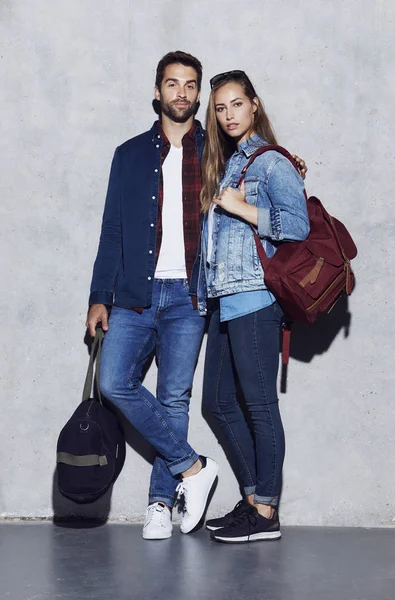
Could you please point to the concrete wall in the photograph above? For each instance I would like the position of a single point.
(77, 80)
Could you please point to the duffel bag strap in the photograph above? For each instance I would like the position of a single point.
(85, 460)
(94, 356)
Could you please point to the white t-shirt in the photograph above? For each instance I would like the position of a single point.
(171, 261)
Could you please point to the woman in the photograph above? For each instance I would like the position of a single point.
(244, 331)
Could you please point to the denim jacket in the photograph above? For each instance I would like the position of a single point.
(276, 189)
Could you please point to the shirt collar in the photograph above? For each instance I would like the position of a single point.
(158, 133)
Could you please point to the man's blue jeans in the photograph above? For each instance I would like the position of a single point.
(174, 330)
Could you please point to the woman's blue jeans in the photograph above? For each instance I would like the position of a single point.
(174, 330)
(244, 352)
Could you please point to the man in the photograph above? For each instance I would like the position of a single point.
(144, 267)
(147, 251)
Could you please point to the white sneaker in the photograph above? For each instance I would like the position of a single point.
(195, 490)
(157, 522)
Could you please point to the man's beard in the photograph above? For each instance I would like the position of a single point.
(178, 114)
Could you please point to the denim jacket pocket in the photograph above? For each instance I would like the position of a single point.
(252, 191)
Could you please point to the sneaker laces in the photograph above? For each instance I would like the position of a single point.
(241, 517)
(156, 512)
(240, 507)
(182, 490)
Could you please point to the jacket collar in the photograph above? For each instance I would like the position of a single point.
(196, 133)
(251, 145)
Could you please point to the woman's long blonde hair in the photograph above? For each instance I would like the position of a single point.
(219, 146)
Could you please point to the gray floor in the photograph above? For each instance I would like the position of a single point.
(112, 562)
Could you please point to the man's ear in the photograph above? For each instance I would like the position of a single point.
(198, 98)
(156, 93)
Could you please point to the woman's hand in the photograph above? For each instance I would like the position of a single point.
(301, 165)
(232, 200)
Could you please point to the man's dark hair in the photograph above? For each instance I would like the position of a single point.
(182, 58)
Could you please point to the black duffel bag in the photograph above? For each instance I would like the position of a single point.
(91, 446)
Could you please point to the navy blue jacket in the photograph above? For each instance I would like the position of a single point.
(124, 268)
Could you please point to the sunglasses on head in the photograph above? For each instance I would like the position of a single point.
(227, 75)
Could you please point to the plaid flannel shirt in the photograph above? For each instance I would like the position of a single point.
(191, 186)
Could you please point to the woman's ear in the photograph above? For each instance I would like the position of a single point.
(254, 105)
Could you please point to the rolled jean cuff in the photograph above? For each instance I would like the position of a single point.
(183, 464)
(168, 500)
(268, 500)
(249, 490)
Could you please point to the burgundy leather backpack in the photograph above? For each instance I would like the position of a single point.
(308, 277)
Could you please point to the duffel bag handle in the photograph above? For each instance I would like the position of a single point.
(94, 356)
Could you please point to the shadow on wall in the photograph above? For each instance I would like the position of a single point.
(308, 341)
(70, 514)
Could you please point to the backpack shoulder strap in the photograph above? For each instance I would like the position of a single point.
(262, 150)
(285, 153)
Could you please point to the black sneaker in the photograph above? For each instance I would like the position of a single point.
(214, 524)
(249, 526)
